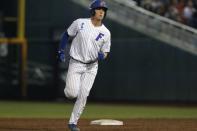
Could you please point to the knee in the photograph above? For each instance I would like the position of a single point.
(70, 94)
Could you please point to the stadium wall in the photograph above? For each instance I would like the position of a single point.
(139, 68)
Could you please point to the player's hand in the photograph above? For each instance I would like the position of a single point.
(101, 56)
(61, 56)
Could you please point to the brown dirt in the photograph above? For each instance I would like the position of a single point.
(36, 124)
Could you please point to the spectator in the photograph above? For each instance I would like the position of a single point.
(183, 11)
(188, 12)
(146, 4)
(163, 8)
(155, 5)
(173, 12)
(180, 7)
(194, 20)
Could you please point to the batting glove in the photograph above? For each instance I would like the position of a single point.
(61, 56)
(101, 56)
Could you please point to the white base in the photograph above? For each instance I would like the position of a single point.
(106, 122)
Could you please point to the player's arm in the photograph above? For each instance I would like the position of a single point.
(102, 55)
(63, 43)
(64, 40)
(105, 49)
(66, 37)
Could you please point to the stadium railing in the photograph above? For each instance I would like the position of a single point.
(168, 31)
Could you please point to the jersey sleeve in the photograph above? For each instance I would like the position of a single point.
(72, 29)
(107, 44)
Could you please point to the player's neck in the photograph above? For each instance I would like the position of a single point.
(96, 22)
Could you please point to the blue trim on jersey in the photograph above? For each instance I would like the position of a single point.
(64, 40)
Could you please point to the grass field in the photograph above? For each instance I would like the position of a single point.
(54, 116)
(14, 109)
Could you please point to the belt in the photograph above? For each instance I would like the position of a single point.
(90, 62)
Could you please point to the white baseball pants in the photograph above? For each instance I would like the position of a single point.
(79, 81)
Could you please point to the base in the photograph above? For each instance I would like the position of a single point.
(106, 122)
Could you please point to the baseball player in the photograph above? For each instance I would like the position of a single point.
(91, 43)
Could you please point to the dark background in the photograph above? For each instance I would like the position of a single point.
(139, 68)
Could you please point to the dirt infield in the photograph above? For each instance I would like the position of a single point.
(14, 124)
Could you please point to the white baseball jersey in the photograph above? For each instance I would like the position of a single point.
(89, 40)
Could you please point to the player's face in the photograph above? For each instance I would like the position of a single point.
(99, 13)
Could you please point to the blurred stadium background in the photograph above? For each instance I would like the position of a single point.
(153, 58)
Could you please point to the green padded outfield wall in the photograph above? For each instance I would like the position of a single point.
(139, 68)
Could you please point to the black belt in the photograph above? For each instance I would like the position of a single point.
(91, 62)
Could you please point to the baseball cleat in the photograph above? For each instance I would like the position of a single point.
(73, 127)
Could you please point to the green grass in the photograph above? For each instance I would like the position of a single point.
(34, 109)
(62, 110)
(140, 111)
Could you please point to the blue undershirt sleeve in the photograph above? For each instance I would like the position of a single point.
(64, 40)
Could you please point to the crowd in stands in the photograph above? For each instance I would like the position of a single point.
(183, 11)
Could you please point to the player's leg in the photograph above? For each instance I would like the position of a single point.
(87, 81)
(73, 80)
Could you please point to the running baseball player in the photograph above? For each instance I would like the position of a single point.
(91, 43)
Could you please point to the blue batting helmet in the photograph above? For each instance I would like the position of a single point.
(98, 4)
